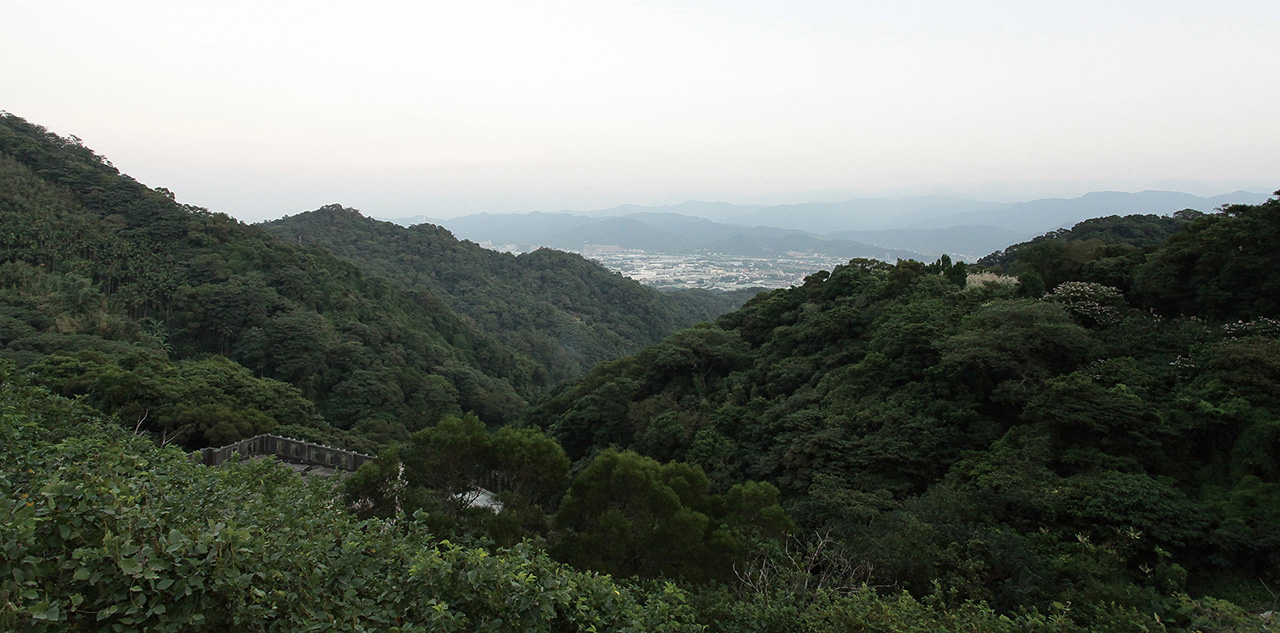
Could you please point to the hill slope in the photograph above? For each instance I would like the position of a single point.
(559, 309)
(107, 282)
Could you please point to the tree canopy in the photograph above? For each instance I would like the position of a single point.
(1081, 443)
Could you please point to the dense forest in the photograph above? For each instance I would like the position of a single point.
(1093, 424)
(1078, 433)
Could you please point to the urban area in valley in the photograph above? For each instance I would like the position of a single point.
(712, 271)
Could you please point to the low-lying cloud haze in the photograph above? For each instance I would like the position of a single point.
(444, 109)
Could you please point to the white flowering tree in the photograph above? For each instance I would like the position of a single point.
(1094, 305)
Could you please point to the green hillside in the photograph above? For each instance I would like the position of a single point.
(1104, 250)
(103, 531)
(114, 291)
(562, 311)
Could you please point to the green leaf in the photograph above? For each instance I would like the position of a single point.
(45, 611)
(106, 613)
(129, 565)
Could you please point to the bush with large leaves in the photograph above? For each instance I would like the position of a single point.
(102, 531)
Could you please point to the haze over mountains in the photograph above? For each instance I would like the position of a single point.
(919, 227)
(654, 232)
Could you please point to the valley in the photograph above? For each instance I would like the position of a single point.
(713, 271)
(1075, 432)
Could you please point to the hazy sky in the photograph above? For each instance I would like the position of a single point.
(259, 109)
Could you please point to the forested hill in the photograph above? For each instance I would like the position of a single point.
(1102, 434)
(564, 312)
(1100, 242)
(1221, 265)
(114, 291)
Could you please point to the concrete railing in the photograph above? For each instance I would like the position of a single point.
(286, 449)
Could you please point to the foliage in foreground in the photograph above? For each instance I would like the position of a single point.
(102, 531)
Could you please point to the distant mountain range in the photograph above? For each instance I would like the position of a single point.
(932, 212)
(821, 218)
(967, 243)
(886, 228)
(1039, 216)
(656, 233)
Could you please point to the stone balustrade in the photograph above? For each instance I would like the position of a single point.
(286, 449)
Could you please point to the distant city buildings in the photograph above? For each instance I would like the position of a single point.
(712, 271)
(589, 250)
(502, 248)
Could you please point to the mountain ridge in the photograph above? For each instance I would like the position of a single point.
(921, 227)
(564, 311)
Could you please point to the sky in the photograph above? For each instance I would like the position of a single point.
(261, 109)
